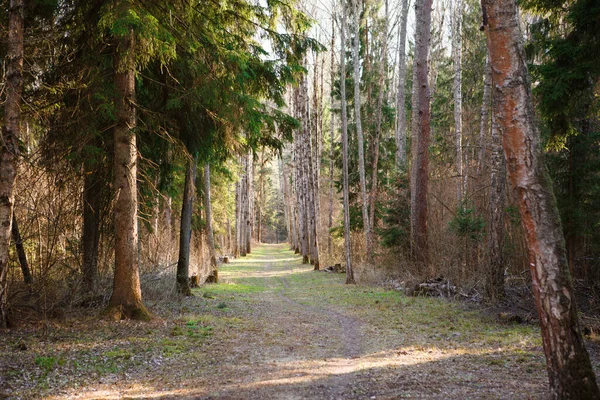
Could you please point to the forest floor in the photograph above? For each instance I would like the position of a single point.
(275, 329)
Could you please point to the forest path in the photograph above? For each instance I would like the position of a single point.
(275, 329)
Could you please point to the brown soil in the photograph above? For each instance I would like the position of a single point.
(275, 329)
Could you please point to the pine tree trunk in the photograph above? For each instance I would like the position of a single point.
(185, 231)
(11, 132)
(348, 254)
(569, 369)
(213, 277)
(237, 249)
(494, 283)
(126, 299)
(421, 131)
(457, 94)
(358, 122)
(400, 135)
(91, 230)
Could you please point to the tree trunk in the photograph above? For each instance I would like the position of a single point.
(400, 101)
(485, 113)
(457, 95)
(213, 277)
(250, 203)
(349, 270)
(421, 131)
(11, 132)
(185, 231)
(126, 299)
(494, 282)
(358, 121)
(91, 229)
(331, 141)
(569, 370)
(16, 236)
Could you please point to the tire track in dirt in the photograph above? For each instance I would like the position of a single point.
(350, 333)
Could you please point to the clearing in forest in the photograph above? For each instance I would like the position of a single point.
(276, 329)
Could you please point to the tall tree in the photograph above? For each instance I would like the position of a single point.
(421, 131)
(569, 369)
(11, 132)
(457, 11)
(126, 298)
(213, 276)
(185, 231)
(400, 135)
(347, 252)
(358, 122)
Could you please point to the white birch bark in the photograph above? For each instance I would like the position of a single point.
(358, 122)
(457, 10)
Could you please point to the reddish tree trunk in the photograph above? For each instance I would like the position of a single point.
(569, 369)
(126, 299)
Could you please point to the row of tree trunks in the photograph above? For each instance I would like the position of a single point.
(244, 209)
(11, 132)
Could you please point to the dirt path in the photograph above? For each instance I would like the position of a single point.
(275, 329)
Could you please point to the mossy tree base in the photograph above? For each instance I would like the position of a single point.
(120, 312)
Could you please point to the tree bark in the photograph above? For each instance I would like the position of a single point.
(400, 135)
(421, 131)
(11, 132)
(349, 270)
(126, 299)
(358, 122)
(569, 370)
(213, 277)
(185, 231)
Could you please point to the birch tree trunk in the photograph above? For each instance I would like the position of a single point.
(457, 10)
(185, 232)
(11, 131)
(400, 135)
(213, 277)
(358, 121)
(238, 220)
(126, 299)
(569, 370)
(349, 270)
(485, 113)
(421, 130)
